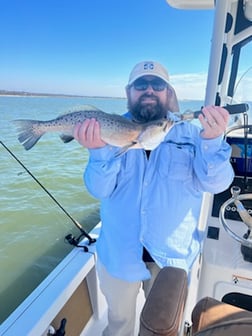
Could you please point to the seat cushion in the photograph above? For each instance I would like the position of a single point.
(239, 327)
(212, 317)
(163, 309)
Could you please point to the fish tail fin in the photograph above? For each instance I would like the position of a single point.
(28, 136)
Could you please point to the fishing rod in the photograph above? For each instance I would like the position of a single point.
(70, 239)
(232, 109)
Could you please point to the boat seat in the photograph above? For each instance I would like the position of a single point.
(163, 309)
(211, 317)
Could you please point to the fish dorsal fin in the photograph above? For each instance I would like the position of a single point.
(78, 108)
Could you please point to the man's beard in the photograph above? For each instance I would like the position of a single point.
(147, 112)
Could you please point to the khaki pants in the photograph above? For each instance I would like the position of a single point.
(121, 298)
(147, 284)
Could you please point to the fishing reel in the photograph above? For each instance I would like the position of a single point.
(70, 239)
(235, 204)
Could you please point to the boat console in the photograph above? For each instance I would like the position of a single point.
(227, 253)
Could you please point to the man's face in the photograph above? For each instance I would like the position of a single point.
(148, 98)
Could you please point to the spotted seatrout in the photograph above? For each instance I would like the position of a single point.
(116, 130)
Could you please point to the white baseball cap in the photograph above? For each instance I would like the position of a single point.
(155, 69)
(148, 68)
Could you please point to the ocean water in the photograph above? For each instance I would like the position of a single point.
(32, 226)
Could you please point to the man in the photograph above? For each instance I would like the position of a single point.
(150, 201)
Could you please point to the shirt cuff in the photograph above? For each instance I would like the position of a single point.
(104, 153)
(210, 146)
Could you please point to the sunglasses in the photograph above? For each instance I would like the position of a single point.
(156, 84)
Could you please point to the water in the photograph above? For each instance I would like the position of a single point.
(32, 226)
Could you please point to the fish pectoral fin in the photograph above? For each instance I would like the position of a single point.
(66, 138)
(124, 149)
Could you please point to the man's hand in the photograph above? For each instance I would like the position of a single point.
(214, 121)
(88, 134)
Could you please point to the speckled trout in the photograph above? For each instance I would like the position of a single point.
(116, 130)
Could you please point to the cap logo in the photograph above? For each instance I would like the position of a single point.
(148, 66)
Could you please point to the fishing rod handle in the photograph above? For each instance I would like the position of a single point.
(232, 109)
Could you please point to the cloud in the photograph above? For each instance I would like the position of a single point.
(190, 86)
(243, 90)
(193, 86)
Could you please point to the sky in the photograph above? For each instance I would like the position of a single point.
(88, 47)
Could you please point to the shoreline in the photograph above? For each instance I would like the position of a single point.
(6, 93)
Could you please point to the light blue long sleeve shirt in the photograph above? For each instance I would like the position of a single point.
(155, 202)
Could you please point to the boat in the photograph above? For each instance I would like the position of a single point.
(69, 301)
